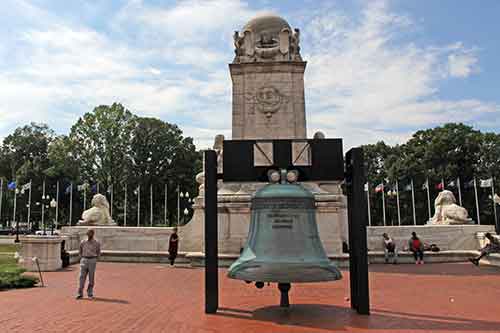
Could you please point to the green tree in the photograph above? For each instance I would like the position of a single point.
(101, 143)
(159, 155)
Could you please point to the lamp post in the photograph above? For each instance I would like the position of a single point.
(181, 196)
(53, 204)
(45, 204)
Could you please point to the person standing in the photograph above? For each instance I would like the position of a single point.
(417, 247)
(173, 245)
(389, 249)
(90, 250)
(492, 247)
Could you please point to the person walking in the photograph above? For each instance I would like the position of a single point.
(492, 247)
(173, 245)
(90, 250)
(389, 249)
(417, 247)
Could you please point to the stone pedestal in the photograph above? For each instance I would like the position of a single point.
(268, 100)
(46, 248)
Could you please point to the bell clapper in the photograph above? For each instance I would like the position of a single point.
(284, 288)
(259, 284)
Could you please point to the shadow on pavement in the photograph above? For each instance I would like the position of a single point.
(329, 317)
(107, 300)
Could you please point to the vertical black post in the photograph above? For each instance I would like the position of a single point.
(211, 250)
(357, 216)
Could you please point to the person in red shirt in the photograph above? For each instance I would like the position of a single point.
(417, 247)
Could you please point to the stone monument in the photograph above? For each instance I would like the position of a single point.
(447, 212)
(267, 103)
(98, 214)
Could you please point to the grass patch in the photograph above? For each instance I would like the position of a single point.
(11, 275)
(9, 248)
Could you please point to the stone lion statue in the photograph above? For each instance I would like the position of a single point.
(98, 214)
(447, 211)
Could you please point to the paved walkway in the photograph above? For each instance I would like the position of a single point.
(157, 298)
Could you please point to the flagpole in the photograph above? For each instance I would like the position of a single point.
(383, 205)
(477, 202)
(139, 205)
(29, 206)
(165, 206)
(84, 197)
(428, 197)
(397, 201)
(459, 192)
(413, 203)
(125, 208)
(368, 201)
(111, 207)
(493, 200)
(57, 203)
(151, 204)
(43, 206)
(97, 187)
(71, 203)
(15, 204)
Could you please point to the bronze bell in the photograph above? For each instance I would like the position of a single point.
(283, 244)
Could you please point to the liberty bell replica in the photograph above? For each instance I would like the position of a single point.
(283, 244)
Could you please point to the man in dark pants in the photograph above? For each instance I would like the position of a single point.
(173, 245)
(90, 250)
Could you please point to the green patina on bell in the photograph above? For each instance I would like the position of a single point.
(283, 244)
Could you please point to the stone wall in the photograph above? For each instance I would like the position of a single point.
(121, 238)
(446, 237)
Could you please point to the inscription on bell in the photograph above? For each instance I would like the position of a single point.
(281, 221)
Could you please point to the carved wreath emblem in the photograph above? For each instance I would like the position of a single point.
(269, 100)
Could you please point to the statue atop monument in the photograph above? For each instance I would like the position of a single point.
(98, 214)
(265, 39)
(447, 211)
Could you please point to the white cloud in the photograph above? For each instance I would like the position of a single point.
(462, 64)
(363, 85)
(363, 82)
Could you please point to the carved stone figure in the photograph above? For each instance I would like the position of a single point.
(98, 214)
(267, 38)
(447, 211)
(218, 147)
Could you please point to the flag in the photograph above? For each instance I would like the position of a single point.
(452, 184)
(366, 187)
(11, 185)
(379, 188)
(425, 185)
(440, 186)
(26, 186)
(82, 187)
(469, 184)
(68, 189)
(94, 188)
(486, 182)
(407, 187)
(110, 188)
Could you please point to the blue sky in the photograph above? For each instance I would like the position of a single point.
(377, 70)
